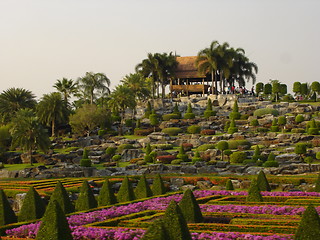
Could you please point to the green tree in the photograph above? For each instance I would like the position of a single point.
(52, 110)
(14, 99)
(154, 119)
(262, 182)
(86, 199)
(28, 133)
(317, 184)
(61, 196)
(158, 187)
(276, 88)
(143, 189)
(93, 82)
(254, 194)
(126, 192)
(88, 118)
(229, 185)
(309, 226)
(301, 149)
(283, 89)
(305, 90)
(137, 84)
(190, 208)
(222, 145)
(156, 231)
(296, 88)
(259, 88)
(106, 195)
(315, 87)
(267, 89)
(67, 87)
(235, 115)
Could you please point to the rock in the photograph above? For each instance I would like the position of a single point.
(253, 170)
(245, 184)
(17, 204)
(188, 169)
(128, 154)
(203, 185)
(185, 187)
(207, 169)
(177, 182)
(287, 157)
(222, 164)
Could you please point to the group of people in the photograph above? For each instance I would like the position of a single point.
(239, 90)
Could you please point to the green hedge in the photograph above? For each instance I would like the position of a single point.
(167, 117)
(173, 131)
(264, 111)
(205, 147)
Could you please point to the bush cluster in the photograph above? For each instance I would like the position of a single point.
(167, 117)
(238, 157)
(205, 147)
(234, 144)
(173, 131)
(194, 129)
(142, 131)
(264, 111)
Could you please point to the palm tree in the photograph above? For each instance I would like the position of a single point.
(28, 133)
(207, 62)
(120, 99)
(138, 85)
(92, 82)
(52, 110)
(67, 87)
(14, 99)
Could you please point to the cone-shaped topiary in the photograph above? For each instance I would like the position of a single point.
(125, 193)
(106, 195)
(143, 189)
(317, 187)
(309, 226)
(158, 187)
(7, 215)
(235, 111)
(61, 196)
(229, 185)
(148, 149)
(175, 223)
(182, 155)
(33, 206)
(86, 199)
(156, 231)
(263, 182)
(176, 110)
(254, 194)
(190, 208)
(54, 225)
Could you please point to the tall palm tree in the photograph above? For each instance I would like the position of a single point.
(120, 99)
(138, 85)
(28, 133)
(14, 99)
(52, 110)
(92, 82)
(207, 62)
(66, 87)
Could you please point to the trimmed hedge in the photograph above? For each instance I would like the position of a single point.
(173, 131)
(234, 144)
(7, 215)
(238, 157)
(264, 111)
(169, 116)
(205, 147)
(106, 195)
(190, 208)
(125, 193)
(158, 187)
(309, 226)
(61, 196)
(142, 190)
(86, 199)
(193, 129)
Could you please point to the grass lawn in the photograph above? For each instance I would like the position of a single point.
(133, 137)
(17, 167)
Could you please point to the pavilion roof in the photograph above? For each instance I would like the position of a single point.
(187, 69)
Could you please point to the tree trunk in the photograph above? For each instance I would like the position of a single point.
(163, 90)
(52, 128)
(30, 156)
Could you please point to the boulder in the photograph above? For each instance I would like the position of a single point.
(203, 185)
(185, 187)
(128, 154)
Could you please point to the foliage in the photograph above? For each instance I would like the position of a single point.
(142, 132)
(61, 196)
(300, 148)
(262, 182)
(234, 144)
(124, 146)
(309, 226)
(189, 116)
(156, 231)
(257, 154)
(5, 136)
(235, 115)
(196, 157)
(33, 206)
(137, 84)
(169, 116)
(222, 145)
(154, 119)
(7, 215)
(317, 183)
(182, 155)
(263, 111)
(111, 151)
(116, 158)
(205, 147)
(194, 129)
(66, 87)
(148, 149)
(254, 122)
(54, 224)
(190, 208)
(172, 131)
(86, 199)
(232, 129)
(282, 120)
(229, 185)
(259, 87)
(296, 87)
(148, 110)
(125, 193)
(142, 190)
(85, 162)
(267, 89)
(254, 194)
(299, 118)
(106, 195)
(208, 113)
(238, 157)
(270, 164)
(158, 187)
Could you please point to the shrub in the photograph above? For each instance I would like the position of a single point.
(235, 115)
(254, 122)
(264, 111)
(142, 132)
(148, 110)
(158, 187)
(299, 118)
(189, 116)
(257, 153)
(238, 157)
(300, 148)
(196, 157)
(110, 151)
(270, 164)
(175, 223)
(271, 157)
(309, 226)
(173, 131)
(154, 119)
(226, 126)
(85, 163)
(262, 129)
(148, 159)
(169, 116)
(176, 161)
(156, 231)
(85, 154)
(234, 144)
(54, 225)
(106, 195)
(254, 194)
(313, 131)
(86, 199)
(148, 149)
(208, 132)
(33, 206)
(190, 208)
(102, 132)
(125, 193)
(194, 129)
(274, 129)
(297, 130)
(232, 130)
(229, 185)
(209, 113)
(142, 190)
(7, 215)
(124, 146)
(135, 160)
(318, 155)
(317, 187)
(282, 120)
(222, 145)
(61, 196)
(166, 159)
(182, 155)
(176, 110)
(262, 182)
(187, 146)
(116, 158)
(205, 147)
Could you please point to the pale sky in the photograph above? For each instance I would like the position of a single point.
(45, 40)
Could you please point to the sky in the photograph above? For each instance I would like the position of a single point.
(42, 40)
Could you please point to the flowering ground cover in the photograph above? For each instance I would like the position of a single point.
(129, 221)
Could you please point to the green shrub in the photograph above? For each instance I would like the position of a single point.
(309, 226)
(54, 225)
(124, 146)
(148, 159)
(232, 130)
(106, 195)
(169, 116)
(189, 116)
(110, 151)
(262, 182)
(158, 187)
(163, 146)
(102, 132)
(33, 206)
(238, 157)
(271, 157)
(142, 190)
(235, 115)
(234, 144)
(317, 184)
(313, 131)
(148, 110)
(205, 147)
(282, 120)
(190, 208)
(248, 161)
(85, 154)
(125, 193)
(229, 185)
(274, 129)
(209, 113)
(166, 159)
(7, 215)
(85, 163)
(254, 194)
(262, 129)
(148, 149)
(254, 122)
(175, 223)
(156, 231)
(264, 111)
(299, 118)
(61, 196)
(297, 130)
(176, 110)
(116, 158)
(194, 129)
(189, 109)
(196, 157)
(176, 161)
(222, 145)
(154, 119)
(270, 164)
(300, 148)
(142, 131)
(173, 131)
(182, 155)
(86, 199)
(257, 154)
